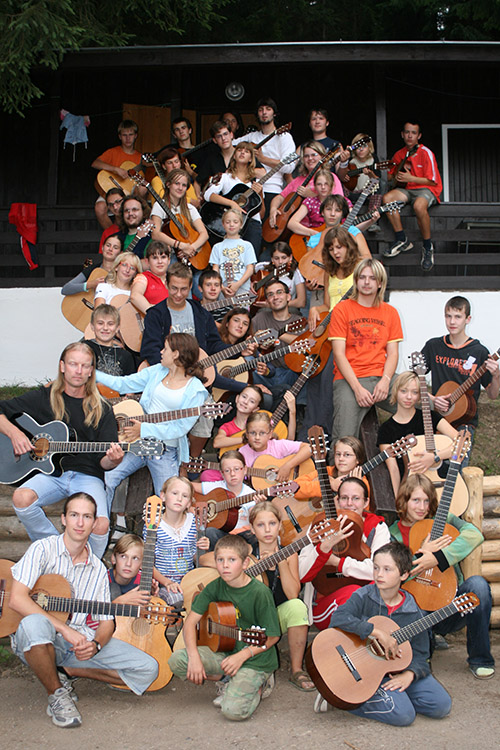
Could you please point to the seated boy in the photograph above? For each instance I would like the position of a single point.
(248, 667)
(401, 695)
(125, 575)
(210, 283)
(110, 357)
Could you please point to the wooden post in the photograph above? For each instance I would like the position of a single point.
(473, 477)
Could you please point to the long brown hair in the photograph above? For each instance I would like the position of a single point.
(250, 166)
(171, 177)
(188, 352)
(93, 403)
(406, 491)
(346, 240)
(357, 447)
(224, 325)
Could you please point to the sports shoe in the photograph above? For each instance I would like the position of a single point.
(62, 709)
(68, 683)
(221, 687)
(267, 687)
(427, 261)
(320, 704)
(400, 246)
(483, 673)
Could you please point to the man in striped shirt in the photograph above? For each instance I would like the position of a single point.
(57, 651)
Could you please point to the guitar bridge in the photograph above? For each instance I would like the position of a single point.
(347, 661)
(296, 525)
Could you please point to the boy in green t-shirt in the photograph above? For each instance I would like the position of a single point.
(248, 667)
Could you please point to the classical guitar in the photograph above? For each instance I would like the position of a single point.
(280, 429)
(52, 593)
(130, 410)
(431, 443)
(51, 439)
(105, 180)
(222, 505)
(246, 197)
(277, 131)
(148, 636)
(434, 588)
(200, 512)
(293, 201)
(347, 671)
(262, 338)
(179, 227)
(245, 299)
(386, 208)
(264, 472)
(351, 178)
(217, 629)
(77, 308)
(131, 326)
(463, 405)
(393, 182)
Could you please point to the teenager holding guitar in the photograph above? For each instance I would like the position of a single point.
(416, 501)
(119, 280)
(112, 247)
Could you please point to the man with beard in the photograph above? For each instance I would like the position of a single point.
(134, 211)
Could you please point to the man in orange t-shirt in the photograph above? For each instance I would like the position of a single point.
(365, 333)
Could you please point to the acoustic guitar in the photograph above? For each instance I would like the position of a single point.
(264, 276)
(264, 472)
(463, 405)
(431, 443)
(52, 439)
(217, 629)
(77, 308)
(347, 671)
(393, 182)
(130, 410)
(244, 299)
(106, 180)
(262, 338)
(351, 178)
(434, 588)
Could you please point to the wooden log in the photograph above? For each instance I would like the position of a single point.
(495, 617)
(491, 485)
(491, 506)
(491, 571)
(495, 593)
(473, 477)
(491, 528)
(491, 550)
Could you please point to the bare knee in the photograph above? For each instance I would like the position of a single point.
(101, 525)
(23, 498)
(421, 207)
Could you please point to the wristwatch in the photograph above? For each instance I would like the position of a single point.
(437, 460)
(98, 646)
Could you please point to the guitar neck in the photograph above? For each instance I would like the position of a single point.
(251, 364)
(235, 502)
(430, 443)
(276, 273)
(228, 302)
(445, 501)
(226, 353)
(372, 463)
(148, 560)
(195, 148)
(165, 206)
(159, 171)
(61, 604)
(162, 416)
(282, 407)
(461, 389)
(230, 631)
(357, 206)
(272, 171)
(326, 491)
(424, 623)
(59, 446)
(277, 557)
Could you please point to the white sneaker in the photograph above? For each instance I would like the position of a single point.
(221, 687)
(68, 683)
(268, 687)
(62, 709)
(320, 704)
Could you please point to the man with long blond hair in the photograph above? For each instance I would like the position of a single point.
(74, 399)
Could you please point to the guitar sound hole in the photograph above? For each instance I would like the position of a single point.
(140, 627)
(41, 448)
(271, 475)
(211, 511)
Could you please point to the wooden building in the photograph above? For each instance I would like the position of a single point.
(451, 88)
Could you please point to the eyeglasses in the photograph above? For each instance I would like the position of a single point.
(258, 434)
(276, 294)
(233, 470)
(354, 499)
(117, 202)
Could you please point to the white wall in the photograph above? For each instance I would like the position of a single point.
(34, 331)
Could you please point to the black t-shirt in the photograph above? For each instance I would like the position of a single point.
(390, 431)
(112, 360)
(273, 579)
(37, 404)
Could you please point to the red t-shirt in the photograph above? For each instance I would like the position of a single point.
(422, 164)
(366, 332)
(156, 291)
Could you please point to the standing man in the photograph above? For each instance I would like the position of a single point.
(365, 333)
(318, 123)
(274, 151)
(56, 651)
(418, 183)
(133, 212)
(74, 399)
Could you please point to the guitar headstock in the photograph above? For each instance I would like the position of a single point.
(417, 363)
(386, 164)
(153, 509)
(215, 410)
(310, 365)
(362, 142)
(244, 299)
(400, 447)
(154, 613)
(284, 129)
(290, 159)
(254, 636)
(195, 465)
(200, 511)
(229, 272)
(137, 178)
(284, 488)
(301, 347)
(149, 446)
(322, 530)
(264, 338)
(465, 603)
(318, 443)
(461, 446)
(146, 227)
(149, 158)
(371, 187)
(392, 207)
(297, 326)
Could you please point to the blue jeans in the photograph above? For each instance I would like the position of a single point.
(477, 623)
(426, 696)
(160, 469)
(137, 669)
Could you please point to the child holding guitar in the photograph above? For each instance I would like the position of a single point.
(112, 247)
(233, 257)
(118, 282)
(247, 402)
(249, 667)
(348, 455)
(403, 694)
(353, 573)
(416, 501)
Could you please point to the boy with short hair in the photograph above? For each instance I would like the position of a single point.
(457, 356)
(248, 667)
(110, 357)
(403, 694)
(210, 283)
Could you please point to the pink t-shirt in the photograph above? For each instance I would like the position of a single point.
(275, 448)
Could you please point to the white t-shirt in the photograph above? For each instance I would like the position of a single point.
(239, 254)
(226, 183)
(277, 148)
(109, 291)
(244, 509)
(158, 211)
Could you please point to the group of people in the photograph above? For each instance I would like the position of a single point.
(189, 317)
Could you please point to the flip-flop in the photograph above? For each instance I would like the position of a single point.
(299, 678)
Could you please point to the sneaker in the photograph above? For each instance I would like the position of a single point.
(268, 687)
(440, 643)
(400, 246)
(320, 704)
(221, 687)
(62, 709)
(427, 261)
(483, 673)
(68, 683)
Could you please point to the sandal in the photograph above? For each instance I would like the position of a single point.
(300, 679)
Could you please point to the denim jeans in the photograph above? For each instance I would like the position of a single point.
(160, 469)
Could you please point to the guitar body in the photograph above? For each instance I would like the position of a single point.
(331, 674)
(191, 584)
(460, 501)
(50, 584)
(433, 588)
(128, 409)
(222, 613)
(77, 308)
(16, 468)
(131, 326)
(463, 410)
(320, 345)
(308, 264)
(148, 636)
(297, 516)
(269, 466)
(106, 180)
(107, 392)
(327, 581)
(287, 209)
(223, 368)
(298, 243)
(281, 431)
(223, 519)
(212, 213)
(190, 235)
